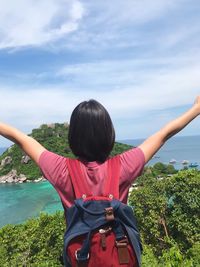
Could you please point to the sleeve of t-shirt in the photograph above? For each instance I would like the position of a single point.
(132, 164)
(53, 166)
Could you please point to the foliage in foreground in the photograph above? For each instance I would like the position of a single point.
(38, 242)
(166, 211)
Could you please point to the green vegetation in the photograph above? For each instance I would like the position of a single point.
(54, 138)
(38, 242)
(165, 201)
(167, 213)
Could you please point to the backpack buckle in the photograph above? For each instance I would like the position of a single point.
(123, 253)
(79, 257)
(109, 214)
(103, 233)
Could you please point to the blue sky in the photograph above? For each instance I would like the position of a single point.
(139, 58)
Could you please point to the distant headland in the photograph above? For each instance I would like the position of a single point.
(16, 167)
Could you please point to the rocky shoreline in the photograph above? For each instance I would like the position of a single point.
(13, 177)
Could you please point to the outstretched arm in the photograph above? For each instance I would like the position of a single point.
(30, 146)
(152, 144)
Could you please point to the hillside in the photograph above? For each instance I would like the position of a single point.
(167, 214)
(54, 138)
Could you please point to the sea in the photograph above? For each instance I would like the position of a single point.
(19, 202)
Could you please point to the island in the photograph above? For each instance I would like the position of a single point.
(17, 167)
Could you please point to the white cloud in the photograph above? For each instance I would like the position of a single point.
(34, 23)
(139, 57)
(118, 12)
(144, 91)
(117, 28)
(145, 102)
(148, 79)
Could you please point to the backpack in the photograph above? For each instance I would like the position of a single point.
(101, 230)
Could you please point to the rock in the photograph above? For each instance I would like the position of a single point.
(22, 178)
(12, 177)
(25, 159)
(38, 180)
(7, 160)
(51, 125)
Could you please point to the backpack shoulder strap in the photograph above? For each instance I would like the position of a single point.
(111, 185)
(79, 184)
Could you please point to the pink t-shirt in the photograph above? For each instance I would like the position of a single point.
(54, 169)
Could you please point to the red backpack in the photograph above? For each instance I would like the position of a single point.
(101, 231)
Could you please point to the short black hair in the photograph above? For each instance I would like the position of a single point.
(91, 133)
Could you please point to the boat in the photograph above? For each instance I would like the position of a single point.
(193, 165)
(185, 162)
(172, 161)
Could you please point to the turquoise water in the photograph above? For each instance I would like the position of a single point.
(22, 201)
(18, 202)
